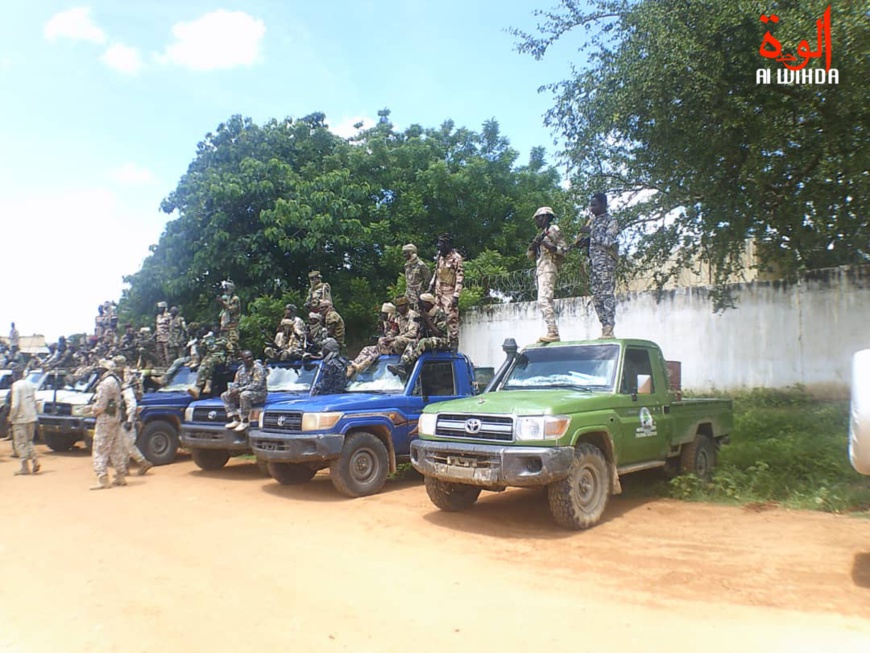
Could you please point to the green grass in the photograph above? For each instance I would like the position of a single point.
(786, 449)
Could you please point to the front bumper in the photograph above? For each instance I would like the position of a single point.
(76, 426)
(296, 448)
(214, 436)
(491, 466)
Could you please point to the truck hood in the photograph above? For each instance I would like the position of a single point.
(165, 399)
(349, 401)
(526, 402)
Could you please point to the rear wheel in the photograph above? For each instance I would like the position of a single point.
(291, 473)
(579, 500)
(451, 497)
(699, 457)
(362, 468)
(210, 459)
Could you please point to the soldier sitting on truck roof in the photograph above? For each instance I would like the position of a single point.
(406, 332)
(435, 336)
(216, 348)
(289, 342)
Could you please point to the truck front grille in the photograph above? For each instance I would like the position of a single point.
(477, 427)
(209, 415)
(269, 445)
(52, 408)
(289, 422)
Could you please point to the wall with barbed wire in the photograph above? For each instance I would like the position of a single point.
(778, 335)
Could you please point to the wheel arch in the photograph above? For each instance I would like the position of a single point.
(383, 433)
(601, 438)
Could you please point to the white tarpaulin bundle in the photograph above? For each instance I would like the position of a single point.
(859, 425)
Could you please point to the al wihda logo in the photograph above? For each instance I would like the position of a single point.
(795, 71)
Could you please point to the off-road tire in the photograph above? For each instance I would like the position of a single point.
(578, 501)
(362, 467)
(291, 473)
(59, 443)
(210, 459)
(699, 457)
(158, 442)
(450, 497)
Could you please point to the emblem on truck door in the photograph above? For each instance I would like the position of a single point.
(472, 426)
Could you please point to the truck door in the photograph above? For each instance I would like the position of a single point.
(435, 382)
(645, 427)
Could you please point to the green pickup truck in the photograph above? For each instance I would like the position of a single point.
(571, 416)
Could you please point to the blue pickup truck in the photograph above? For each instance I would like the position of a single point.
(204, 431)
(362, 434)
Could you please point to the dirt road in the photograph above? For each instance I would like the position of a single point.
(185, 560)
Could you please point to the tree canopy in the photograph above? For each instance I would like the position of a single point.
(265, 204)
(666, 110)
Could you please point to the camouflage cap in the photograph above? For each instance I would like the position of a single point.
(314, 317)
(290, 307)
(106, 364)
(120, 361)
(401, 301)
(388, 308)
(427, 297)
(162, 305)
(313, 273)
(410, 247)
(544, 210)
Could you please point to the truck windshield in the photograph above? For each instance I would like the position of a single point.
(291, 379)
(85, 384)
(183, 377)
(35, 378)
(377, 378)
(584, 367)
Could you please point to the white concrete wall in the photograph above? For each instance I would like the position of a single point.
(779, 335)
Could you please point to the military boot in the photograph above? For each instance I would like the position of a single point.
(102, 483)
(606, 331)
(36, 466)
(120, 481)
(550, 337)
(144, 466)
(25, 468)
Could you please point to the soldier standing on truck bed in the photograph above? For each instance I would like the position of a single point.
(318, 291)
(447, 285)
(601, 237)
(231, 311)
(417, 275)
(162, 322)
(548, 250)
(177, 335)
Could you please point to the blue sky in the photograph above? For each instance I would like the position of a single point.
(103, 105)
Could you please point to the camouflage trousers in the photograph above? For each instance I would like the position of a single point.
(163, 355)
(414, 350)
(240, 403)
(206, 368)
(231, 333)
(546, 289)
(109, 443)
(22, 440)
(368, 355)
(129, 438)
(602, 284)
(286, 354)
(445, 303)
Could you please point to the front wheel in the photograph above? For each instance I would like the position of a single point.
(450, 497)
(362, 467)
(291, 473)
(59, 443)
(158, 442)
(210, 459)
(578, 501)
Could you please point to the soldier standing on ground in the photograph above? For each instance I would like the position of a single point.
(318, 291)
(603, 255)
(417, 275)
(22, 416)
(161, 334)
(131, 393)
(107, 432)
(333, 370)
(447, 284)
(248, 390)
(231, 311)
(548, 250)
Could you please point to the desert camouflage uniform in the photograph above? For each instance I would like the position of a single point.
(333, 376)
(417, 278)
(548, 264)
(131, 388)
(408, 332)
(229, 323)
(317, 293)
(602, 258)
(334, 326)
(316, 334)
(161, 337)
(429, 341)
(249, 389)
(449, 276)
(22, 416)
(177, 337)
(107, 431)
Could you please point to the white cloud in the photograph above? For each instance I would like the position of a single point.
(75, 24)
(217, 40)
(347, 127)
(130, 173)
(122, 58)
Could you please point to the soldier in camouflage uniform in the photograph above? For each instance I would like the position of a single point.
(332, 321)
(447, 284)
(289, 341)
(177, 335)
(248, 390)
(231, 311)
(147, 349)
(23, 417)
(602, 235)
(333, 376)
(318, 291)
(434, 336)
(161, 334)
(107, 431)
(385, 343)
(215, 348)
(316, 334)
(131, 393)
(417, 275)
(548, 250)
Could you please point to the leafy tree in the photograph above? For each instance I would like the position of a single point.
(667, 111)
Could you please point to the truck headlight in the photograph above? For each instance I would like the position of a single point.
(426, 425)
(188, 414)
(39, 405)
(84, 410)
(319, 421)
(261, 418)
(542, 427)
